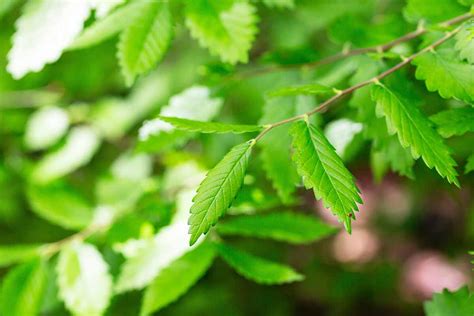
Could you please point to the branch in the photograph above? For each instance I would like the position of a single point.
(348, 53)
(349, 90)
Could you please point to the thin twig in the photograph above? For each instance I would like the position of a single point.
(323, 106)
(348, 53)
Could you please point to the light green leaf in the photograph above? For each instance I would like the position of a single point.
(43, 31)
(470, 164)
(454, 122)
(60, 204)
(195, 103)
(38, 137)
(400, 159)
(444, 72)
(414, 130)
(81, 144)
(84, 282)
(289, 4)
(324, 172)
(109, 26)
(176, 279)
(147, 258)
(23, 289)
(257, 269)
(305, 89)
(465, 42)
(226, 27)
(145, 41)
(217, 191)
(6, 6)
(432, 11)
(459, 303)
(209, 127)
(11, 254)
(289, 227)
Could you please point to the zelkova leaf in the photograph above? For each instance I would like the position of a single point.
(305, 89)
(109, 26)
(454, 122)
(84, 282)
(177, 278)
(459, 303)
(43, 31)
(289, 4)
(23, 289)
(465, 42)
(11, 254)
(432, 10)
(415, 131)
(444, 72)
(289, 227)
(217, 191)
(470, 164)
(324, 172)
(145, 41)
(226, 27)
(257, 269)
(210, 127)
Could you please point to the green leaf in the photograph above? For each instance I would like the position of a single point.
(176, 279)
(60, 204)
(109, 26)
(288, 4)
(11, 254)
(465, 42)
(226, 27)
(459, 303)
(305, 89)
(217, 191)
(454, 122)
(145, 41)
(84, 282)
(323, 171)
(81, 144)
(257, 269)
(7, 5)
(209, 127)
(445, 73)
(23, 289)
(289, 227)
(432, 11)
(470, 164)
(400, 159)
(414, 130)
(43, 31)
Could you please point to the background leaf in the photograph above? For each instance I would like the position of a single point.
(454, 122)
(209, 127)
(460, 303)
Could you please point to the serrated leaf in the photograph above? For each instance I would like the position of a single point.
(305, 89)
(459, 303)
(432, 11)
(195, 103)
(145, 41)
(454, 122)
(177, 278)
(415, 131)
(43, 31)
(109, 26)
(23, 289)
(217, 191)
(400, 159)
(288, 4)
(147, 258)
(289, 227)
(470, 164)
(81, 144)
(84, 282)
(445, 73)
(257, 269)
(209, 127)
(11, 254)
(60, 204)
(226, 27)
(324, 172)
(465, 42)
(45, 127)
